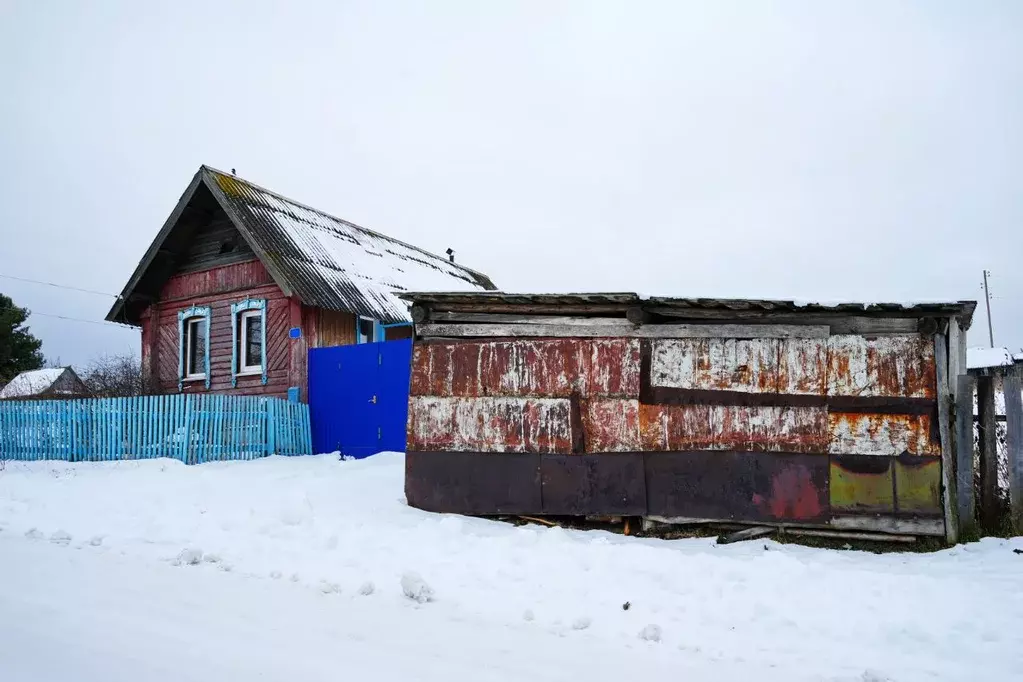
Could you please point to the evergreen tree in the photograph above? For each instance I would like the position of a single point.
(19, 350)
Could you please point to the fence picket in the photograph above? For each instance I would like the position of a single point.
(191, 428)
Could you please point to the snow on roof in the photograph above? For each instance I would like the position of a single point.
(979, 357)
(332, 263)
(31, 383)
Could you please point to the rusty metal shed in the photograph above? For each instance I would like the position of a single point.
(686, 409)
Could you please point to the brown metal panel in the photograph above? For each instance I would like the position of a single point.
(473, 482)
(611, 425)
(918, 485)
(737, 486)
(720, 427)
(593, 484)
(897, 366)
(881, 434)
(862, 484)
(748, 365)
(538, 425)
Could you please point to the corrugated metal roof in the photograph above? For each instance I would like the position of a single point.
(332, 263)
(324, 261)
(481, 300)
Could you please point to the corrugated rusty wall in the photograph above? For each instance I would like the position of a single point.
(789, 429)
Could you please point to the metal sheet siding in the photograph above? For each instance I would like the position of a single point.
(793, 429)
(891, 366)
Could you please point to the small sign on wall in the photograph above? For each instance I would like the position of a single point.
(295, 332)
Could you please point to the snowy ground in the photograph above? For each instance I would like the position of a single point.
(300, 571)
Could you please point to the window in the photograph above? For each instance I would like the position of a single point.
(195, 348)
(248, 339)
(250, 342)
(366, 332)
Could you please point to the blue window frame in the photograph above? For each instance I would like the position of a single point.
(248, 339)
(194, 345)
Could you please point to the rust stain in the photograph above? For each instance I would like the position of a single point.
(535, 367)
(880, 434)
(793, 496)
(749, 365)
(531, 425)
(886, 366)
(741, 428)
(612, 425)
(803, 366)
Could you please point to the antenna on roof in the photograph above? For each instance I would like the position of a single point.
(233, 172)
(451, 255)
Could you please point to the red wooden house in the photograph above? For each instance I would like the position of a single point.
(241, 282)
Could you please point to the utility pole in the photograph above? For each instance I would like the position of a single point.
(987, 301)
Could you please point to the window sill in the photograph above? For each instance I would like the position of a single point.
(251, 373)
(200, 377)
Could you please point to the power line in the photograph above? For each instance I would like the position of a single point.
(59, 286)
(71, 319)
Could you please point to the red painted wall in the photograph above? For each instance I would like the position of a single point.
(219, 288)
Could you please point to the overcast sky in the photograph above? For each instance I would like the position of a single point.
(811, 150)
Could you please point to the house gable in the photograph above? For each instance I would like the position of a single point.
(323, 261)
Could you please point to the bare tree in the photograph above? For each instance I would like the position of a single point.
(115, 376)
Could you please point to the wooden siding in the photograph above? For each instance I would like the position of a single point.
(219, 288)
(336, 328)
(212, 234)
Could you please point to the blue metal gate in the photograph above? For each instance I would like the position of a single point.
(358, 397)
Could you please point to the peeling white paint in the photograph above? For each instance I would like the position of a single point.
(879, 434)
(491, 424)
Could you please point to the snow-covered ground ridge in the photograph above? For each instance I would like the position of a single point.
(307, 568)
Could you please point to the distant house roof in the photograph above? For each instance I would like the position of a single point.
(40, 381)
(324, 261)
(981, 358)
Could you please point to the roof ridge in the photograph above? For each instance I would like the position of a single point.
(367, 230)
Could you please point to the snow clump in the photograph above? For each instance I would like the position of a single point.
(651, 633)
(415, 588)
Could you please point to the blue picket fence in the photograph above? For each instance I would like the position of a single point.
(190, 428)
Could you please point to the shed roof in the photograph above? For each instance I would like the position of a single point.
(982, 358)
(32, 383)
(680, 307)
(325, 261)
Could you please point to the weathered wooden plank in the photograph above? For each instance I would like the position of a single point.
(1014, 449)
(890, 524)
(951, 512)
(956, 336)
(884, 366)
(988, 454)
(840, 323)
(846, 535)
(746, 534)
(667, 331)
(513, 318)
(537, 425)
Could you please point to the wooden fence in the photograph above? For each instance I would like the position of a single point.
(190, 428)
